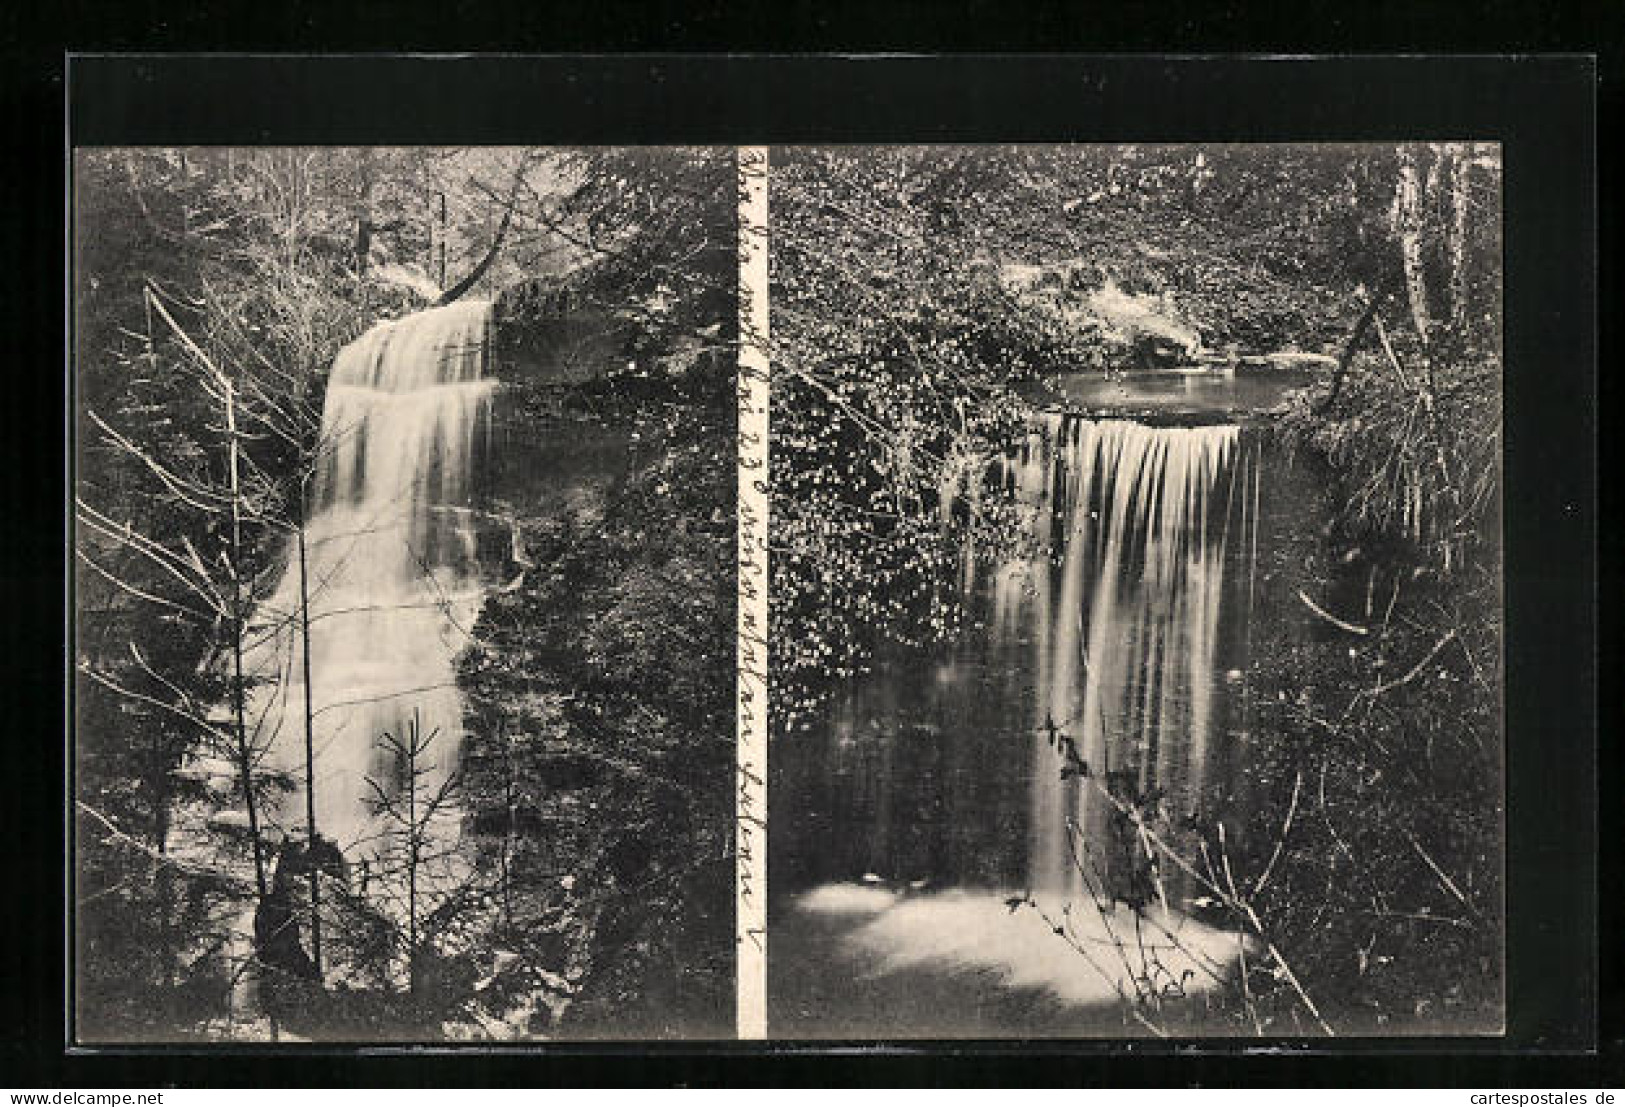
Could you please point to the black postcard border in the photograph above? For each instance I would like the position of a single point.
(1543, 111)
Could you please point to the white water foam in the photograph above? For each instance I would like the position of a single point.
(1103, 958)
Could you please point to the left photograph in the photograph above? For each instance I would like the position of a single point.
(403, 529)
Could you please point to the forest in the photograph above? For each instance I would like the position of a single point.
(404, 540)
(930, 306)
(534, 847)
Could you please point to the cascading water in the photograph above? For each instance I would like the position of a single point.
(390, 570)
(1108, 675)
(1125, 629)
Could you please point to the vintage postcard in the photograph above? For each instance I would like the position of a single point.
(845, 591)
(1136, 584)
(404, 586)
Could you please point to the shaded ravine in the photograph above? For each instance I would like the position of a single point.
(968, 807)
(392, 573)
(389, 575)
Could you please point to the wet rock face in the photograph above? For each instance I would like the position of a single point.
(1131, 329)
(1285, 362)
(543, 456)
(594, 723)
(1154, 351)
(591, 708)
(545, 332)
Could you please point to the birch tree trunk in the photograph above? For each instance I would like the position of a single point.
(1460, 169)
(1408, 230)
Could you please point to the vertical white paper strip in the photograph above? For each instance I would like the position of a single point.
(751, 792)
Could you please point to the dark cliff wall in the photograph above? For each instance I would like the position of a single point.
(599, 689)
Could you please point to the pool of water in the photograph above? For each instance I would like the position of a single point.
(931, 829)
(1199, 395)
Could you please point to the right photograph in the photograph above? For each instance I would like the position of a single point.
(1136, 591)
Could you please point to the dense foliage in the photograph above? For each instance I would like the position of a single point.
(213, 288)
(921, 300)
(1398, 723)
(922, 297)
(605, 678)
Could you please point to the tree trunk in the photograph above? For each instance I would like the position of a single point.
(1408, 229)
(363, 219)
(412, 850)
(1363, 324)
(1461, 167)
(245, 759)
(168, 954)
(479, 270)
(509, 802)
(310, 742)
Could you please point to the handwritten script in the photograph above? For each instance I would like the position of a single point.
(751, 774)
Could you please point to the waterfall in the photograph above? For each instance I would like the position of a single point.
(1123, 626)
(391, 571)
(965, 824)
(962, 823)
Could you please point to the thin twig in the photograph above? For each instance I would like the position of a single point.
(1341, 624)
(1286, 828)
(1444, 878)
